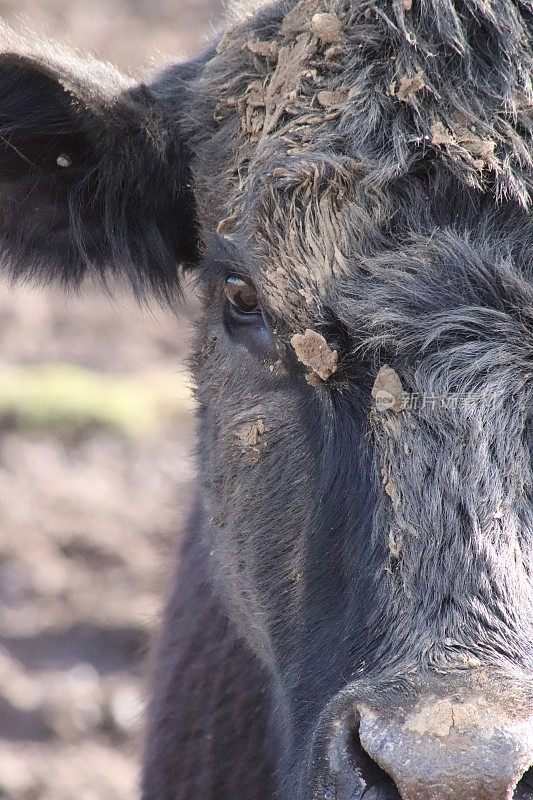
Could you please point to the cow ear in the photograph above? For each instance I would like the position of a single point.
(93, 176)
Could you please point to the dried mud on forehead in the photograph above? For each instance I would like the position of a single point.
(291, 92)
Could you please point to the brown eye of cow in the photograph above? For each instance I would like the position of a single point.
(242, 295)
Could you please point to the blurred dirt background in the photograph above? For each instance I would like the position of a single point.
(96, 474)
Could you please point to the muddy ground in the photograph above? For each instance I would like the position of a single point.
(89, 517)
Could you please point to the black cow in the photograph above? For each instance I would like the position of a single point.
(351, 182)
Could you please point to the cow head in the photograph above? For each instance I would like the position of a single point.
(351, 184)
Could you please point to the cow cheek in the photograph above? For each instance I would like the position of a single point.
(257, 470)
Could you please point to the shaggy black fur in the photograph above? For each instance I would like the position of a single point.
(348, 571)
(123, 205)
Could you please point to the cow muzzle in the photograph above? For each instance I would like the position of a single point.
(432, 746)
(443, 750)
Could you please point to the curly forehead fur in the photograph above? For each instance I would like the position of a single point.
(323, 109)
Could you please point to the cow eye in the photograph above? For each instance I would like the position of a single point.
(241, 295)
(244, 319)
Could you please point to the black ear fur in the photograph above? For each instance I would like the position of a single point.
(93, 175)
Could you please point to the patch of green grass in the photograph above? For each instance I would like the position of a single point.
(64, 397)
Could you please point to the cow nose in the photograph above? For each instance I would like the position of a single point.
(445, 750)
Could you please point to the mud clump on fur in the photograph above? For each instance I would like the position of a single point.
(264, 105)
(249, 433)
(395, 546)
(334, 99)
(313, 351)
(440, 135)
(250, 437)
(408, 86)
(267, 50)
(286, 80)
(462, 143)
(392, 492)
(327, 28)
(387, 391)
(299, 66)
(298, 20)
